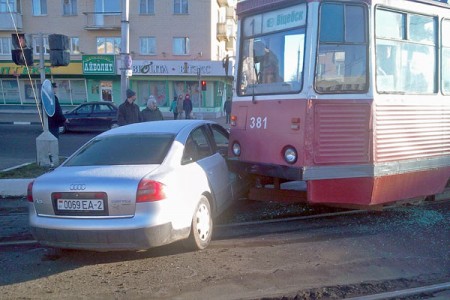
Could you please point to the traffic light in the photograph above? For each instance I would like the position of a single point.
(59, 50)
(203, 85)
(22, 49)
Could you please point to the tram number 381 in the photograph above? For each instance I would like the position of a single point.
(258, 123)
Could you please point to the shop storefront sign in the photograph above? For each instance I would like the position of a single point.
(99, 64)
(178, 68)
(12, 69)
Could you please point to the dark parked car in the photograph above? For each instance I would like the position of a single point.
(91, 116)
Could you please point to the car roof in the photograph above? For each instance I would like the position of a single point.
(165, 126)
(97, 102)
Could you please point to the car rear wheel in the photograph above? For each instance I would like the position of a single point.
(201, 227)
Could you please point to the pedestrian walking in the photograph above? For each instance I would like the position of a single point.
(174, 108)
(187, 106)
(180, 106)
(129, 111)
(58, 119)
(151, 112)
(227, 110)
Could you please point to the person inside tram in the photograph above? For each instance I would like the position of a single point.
(268, 63)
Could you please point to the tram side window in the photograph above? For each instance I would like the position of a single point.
(446, 56)
(405, 53)
(342, 55)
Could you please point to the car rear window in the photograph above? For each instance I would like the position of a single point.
(135, 149)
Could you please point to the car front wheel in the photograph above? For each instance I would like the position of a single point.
(202, 226)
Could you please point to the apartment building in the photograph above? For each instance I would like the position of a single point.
(173, 45)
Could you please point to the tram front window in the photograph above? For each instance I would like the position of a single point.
(271, 57)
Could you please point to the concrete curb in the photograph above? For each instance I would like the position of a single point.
(14, 187)
(19, 123)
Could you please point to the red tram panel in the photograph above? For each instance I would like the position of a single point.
(331, 117)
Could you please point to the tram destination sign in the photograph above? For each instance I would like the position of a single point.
(99, 64)
(281, 19)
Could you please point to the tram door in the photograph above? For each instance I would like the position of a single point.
(106, 90)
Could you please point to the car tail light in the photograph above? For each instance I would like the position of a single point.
(30, 191)
(150, 190)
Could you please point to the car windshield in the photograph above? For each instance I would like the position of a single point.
(134, 149)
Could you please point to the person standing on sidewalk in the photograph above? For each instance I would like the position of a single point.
(58, 118)
(174, 108)
(227, 110)
(187, 106)
(180, 106)
(151, 112)
(129, 112)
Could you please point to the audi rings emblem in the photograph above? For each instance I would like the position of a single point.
(77, 187)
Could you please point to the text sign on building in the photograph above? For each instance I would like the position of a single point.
(99, 64)
(178, 68)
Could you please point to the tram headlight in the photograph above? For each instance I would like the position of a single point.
(236, 149)
(290, 154)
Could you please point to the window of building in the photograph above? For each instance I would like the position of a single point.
(7, 6)
(147, 45)
(5, 46)
(180, 6)
(75, 45)
(37, 46)
(69, 7)
(405, 53)
(108, 45)
(71, 91)
(147, 7)
(107, 6)
(39, 7)
(158, 89)
(180, 46)
(9, 91)
(446, 56)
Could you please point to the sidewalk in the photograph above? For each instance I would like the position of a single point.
(18, 187)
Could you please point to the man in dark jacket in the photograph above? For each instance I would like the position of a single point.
(151, 112)
(187, 106)
(227, 109)
(58, 119)
(129, 112)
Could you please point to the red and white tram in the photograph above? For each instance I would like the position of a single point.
(352, 97)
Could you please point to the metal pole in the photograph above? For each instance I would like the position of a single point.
(125, 52)
(47, 147)
(42, 73)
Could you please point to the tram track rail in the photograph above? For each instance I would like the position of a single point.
(405, 293)
(443, 197)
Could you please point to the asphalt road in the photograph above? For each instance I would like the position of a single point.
(18, 144)
(18, 133)
(328, 258)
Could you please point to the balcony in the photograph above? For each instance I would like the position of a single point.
(103, 20)
(7, 21)
(222, 3)
(230, 44)
(231, 13)
(222, 31)
(225, 31)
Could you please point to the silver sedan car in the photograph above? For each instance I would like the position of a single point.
(136, 187)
